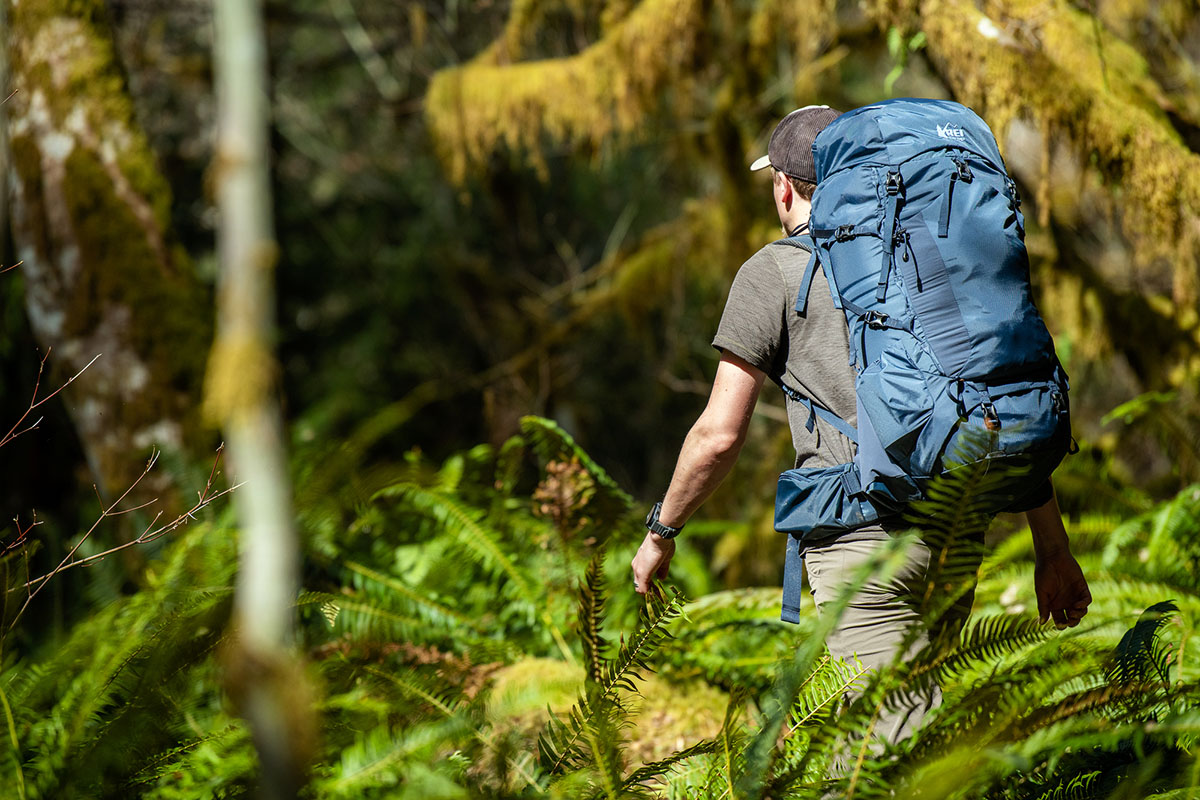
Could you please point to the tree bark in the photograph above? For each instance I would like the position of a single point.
(90, 220)
(263, 676)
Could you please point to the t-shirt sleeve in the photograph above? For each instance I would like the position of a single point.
(753, 323)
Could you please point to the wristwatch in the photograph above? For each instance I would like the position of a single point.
(654, 526)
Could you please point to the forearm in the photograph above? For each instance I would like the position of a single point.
(1046, 527)
(707, 456)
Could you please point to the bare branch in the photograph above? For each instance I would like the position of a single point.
(205, 498)
(14, 266)
(34, 402)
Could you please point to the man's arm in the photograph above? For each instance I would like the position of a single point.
(1062, 591)
(709, 452)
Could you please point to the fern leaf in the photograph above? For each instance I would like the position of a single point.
(460, 522)
(560, 742)
(551, 442)
(591, 616)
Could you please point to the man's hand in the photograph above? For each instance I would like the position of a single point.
(652, 560)
(1062, 591)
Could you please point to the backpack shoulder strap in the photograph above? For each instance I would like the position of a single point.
(802, 242)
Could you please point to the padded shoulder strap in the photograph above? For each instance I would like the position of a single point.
(802, 242)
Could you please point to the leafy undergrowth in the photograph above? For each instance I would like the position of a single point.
(471, 633)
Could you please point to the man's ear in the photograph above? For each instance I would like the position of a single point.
(788, 192)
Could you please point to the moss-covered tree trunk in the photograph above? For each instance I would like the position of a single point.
(90, 219)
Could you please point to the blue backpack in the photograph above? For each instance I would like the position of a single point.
(918, 229)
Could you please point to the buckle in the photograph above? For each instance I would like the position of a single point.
(844, 233)
(964, 171)
(991, 420)
(876, 320)
(894, 183)
(1013, 192)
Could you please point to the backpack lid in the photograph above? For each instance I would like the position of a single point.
(893, 131)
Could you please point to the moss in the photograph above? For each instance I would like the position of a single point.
(26, 159)
(583, 100)
(62, 53)
(241, 373)
(1052, 75)
(119, 266)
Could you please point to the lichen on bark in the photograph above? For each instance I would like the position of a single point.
(91, 222)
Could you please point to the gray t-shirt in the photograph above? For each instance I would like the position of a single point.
(810, 353)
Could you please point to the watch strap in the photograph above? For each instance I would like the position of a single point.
(654, 526)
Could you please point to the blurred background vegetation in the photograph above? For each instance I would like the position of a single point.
(488, 210)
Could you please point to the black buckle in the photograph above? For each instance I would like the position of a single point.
(844, 233)
(894, 184)
(876, 320)
(964, 171)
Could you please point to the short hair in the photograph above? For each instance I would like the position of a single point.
(802, 187)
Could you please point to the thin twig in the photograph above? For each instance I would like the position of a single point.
(34, 402)
(10, 269)
(204, 498)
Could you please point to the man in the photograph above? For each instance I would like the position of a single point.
(761, 335)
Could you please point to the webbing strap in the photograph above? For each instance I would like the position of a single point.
(895, 187)
(800, 240)
(962, 172)
(806, 285)
(793, 581)
(816, 410)
(944, 217)
(844, 233)
(935, 304)
(876, 319)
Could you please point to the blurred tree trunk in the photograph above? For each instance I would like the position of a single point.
(90, 216)
(4, 90)
(263, 676)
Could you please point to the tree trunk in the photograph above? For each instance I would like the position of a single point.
(263, 676)
(90, 220)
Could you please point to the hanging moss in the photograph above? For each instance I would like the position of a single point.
(1040, 61)
(581, 100)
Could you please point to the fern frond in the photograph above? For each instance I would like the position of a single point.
(658, 768)
(1139, 657)
(560, 742)
(823, 688)
(444, 699)
(591, 617)
(462, 523)
(432, 610)
(551, 442)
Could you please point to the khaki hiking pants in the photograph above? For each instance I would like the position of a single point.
(882, 613)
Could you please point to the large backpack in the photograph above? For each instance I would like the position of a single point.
(918, 229)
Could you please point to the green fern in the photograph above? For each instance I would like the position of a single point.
(561, 744)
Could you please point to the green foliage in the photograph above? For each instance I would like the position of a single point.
(467, 642)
